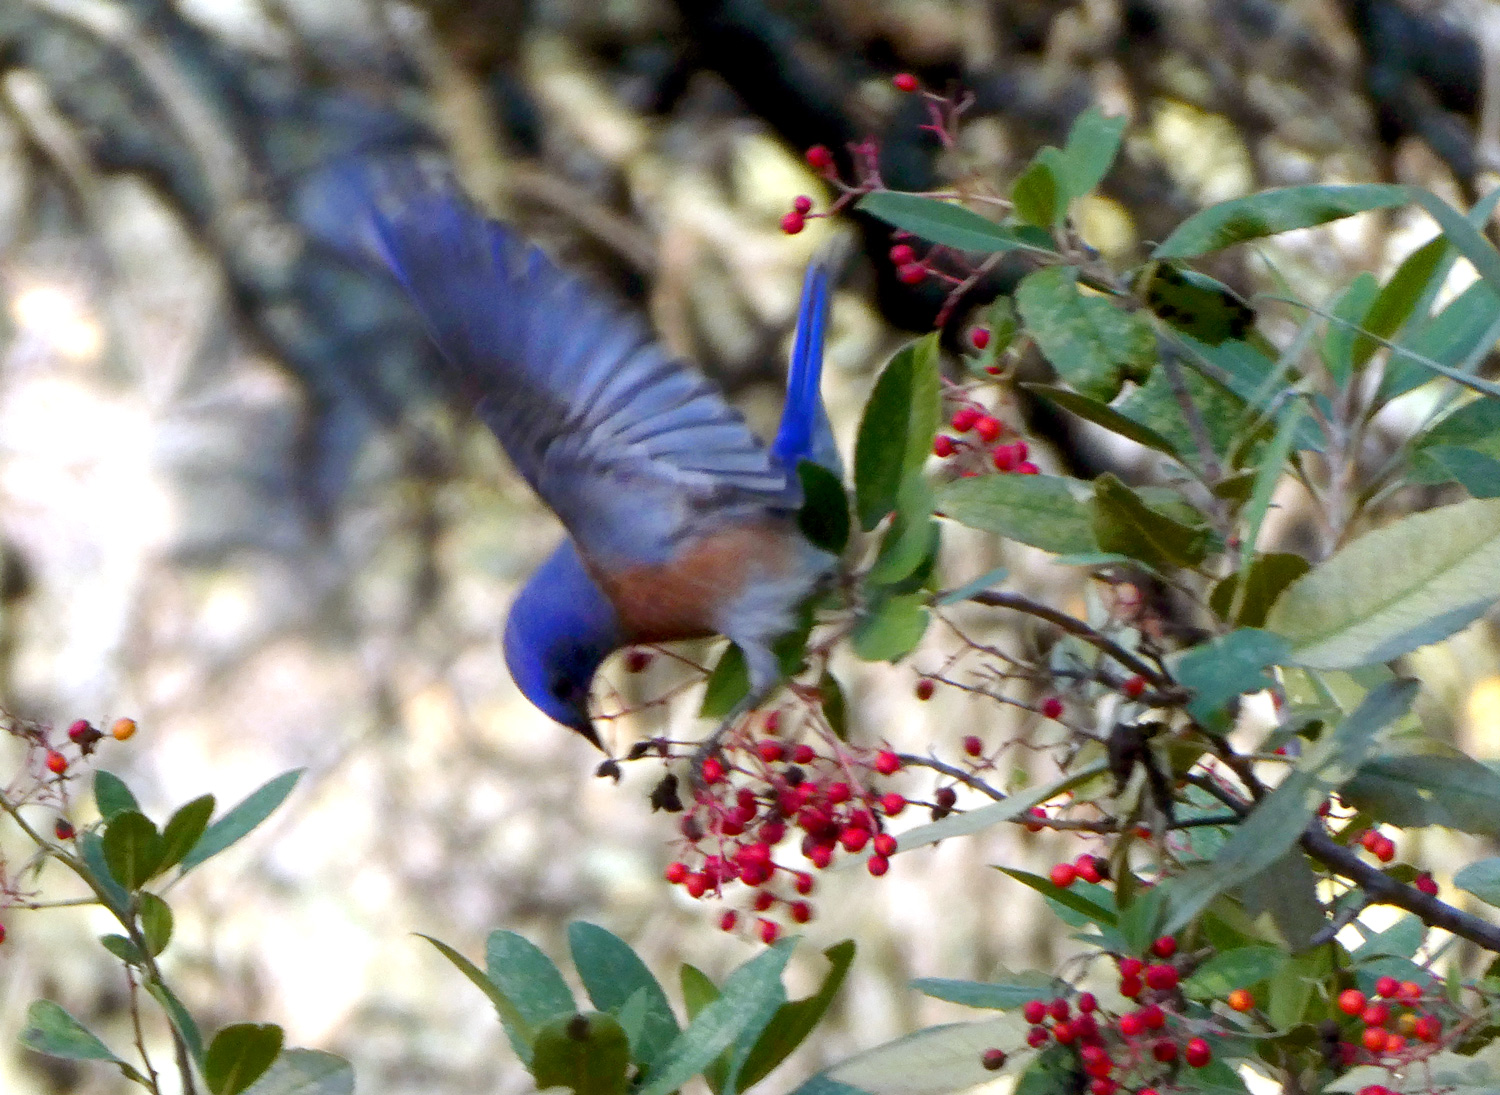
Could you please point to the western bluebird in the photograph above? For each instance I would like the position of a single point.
(681, 523)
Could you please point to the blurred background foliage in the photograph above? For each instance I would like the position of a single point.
(235, 505)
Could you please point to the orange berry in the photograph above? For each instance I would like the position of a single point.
(1374, 1039)
(1241, 1000)
(57, 764)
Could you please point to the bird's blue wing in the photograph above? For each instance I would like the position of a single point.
(805, 433)
(626, 444)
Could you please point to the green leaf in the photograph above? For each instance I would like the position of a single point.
(612, 974)
(1413, 582)
(1462, 234)
(180, 1018)
(1476, 472)
(1103, 415)
(1280, 818)
(697, 990)
(794, 1020)
(1242, 967)
(132, 848)
(1196, 304)
(524, 973)
(1273, 463)
(896, 430)
(51, 1030)
(257, 806)
(1292, 988)
(1481, 878)
(1266, 576)
(91, 849)
(749, 998)
(1070, 898)
(729, 682)
(587, 1054)
(1227, 667)
(935, 1061)
(1272, 212)
(1092, 343)
(239, 1055)
(124, 949)
(183, 831)
(517, 1029)
(984, 582)
(1045, 511)
(1009, 991)
(942, 222)
(911, 538)
(1038, 195)
(1093, 142)
(824, 516)
(1123, 522)
(1465, 446)
(1352, 308)
(892, 628)
(1449, 789)
(1155, 406)
(1400, 297)
(996, 813)
(835, 705)
(305, 1072)
(156, 922)
(112, 796)
(1459, 336)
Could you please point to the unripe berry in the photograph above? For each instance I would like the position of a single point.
(887, 763)
(728, 921)
(1196, 1053)
(878, 865)
(1351, 1001)
(793, 223)
(1164, 947)
(57, 764)
(988, 428)
(1133, 686)
(973, 746)
(802, 204)
(1387, 986)
(1241, 1000)
(1052, 707)
(1063, 875)
(924, 689)
(942, 446)
(980, 337)
(904, 81)
(901, 254)
(1034, 1011)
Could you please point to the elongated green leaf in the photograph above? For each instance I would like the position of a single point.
(1267, 474)
(1400, 297)
(1280, 819)
(749, 998)
(1039, 194)
(1350, 312)
(156, 922)
(517, 1029)
(612, 974)
(935, 1061)
(1045, 511)
(1414, 582)
(1449, 789)
(1225, 668)
(891, 628)
(523, 972)
(1008, 990)
(305, 1072)
(51, 1030)
(1007, 809)
(1242, 967)
(184, 829)
(240, 821)
(91, 848)
(697, 990)
(1267, 575)
(824, 516)
(911, 537)
(978, 585)
(1458, 337)
(132, 848)
(1155, 406)
(1462, 234)
(112, 796)
(795, 1020)
(239, 1055)
(124, 949)
(1474, 426)
(1094, 345)
(1102, 414)
(943, 222)
(1272, 212)
(1093, 143)
(896, 431)
(1197, 304)
(1091, 911)
(1477, 472)
(181, 1020)
(1482, 879)
(587, 1054)
(1124, 523)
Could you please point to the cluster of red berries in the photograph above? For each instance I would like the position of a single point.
(755, 796)
(987, 430)
(1399, 1004)
(1090, 868)
(796, 220)
(1132, 1047)
(1378, 845)
(909, 269)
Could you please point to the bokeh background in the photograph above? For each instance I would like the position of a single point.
(236, 505)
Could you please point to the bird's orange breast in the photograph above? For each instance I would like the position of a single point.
(684, 598)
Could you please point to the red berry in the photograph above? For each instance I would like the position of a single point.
(1374, 1039)
(988, 428)
(1369, 839)
(637, 659)
(803, 754)
(820, 855)
(770, 750)
(884, 844)
(63, 829)
(904, 81)
(1409, 991)
(1197, 1054)
(924, 689)
(57, 764)
(1429, 1028)
(1064, 1033)
(696, 884)
(1102, 1085)
(1375, 1015)
(802, 204)
(769, 930)
(1034, 1011)
(1386, 851)
(1052, 707)
(793, 223)
(1059, 1009)
(1022, 451)
(801, 911)
(1164, 947)
(1147, 1091)
(2, 933)
(728, 920)
(1155, 1017)
(1427, 884)
(1161, 977)
(1063, 875)
(901, 254)
(1032, 826)
(942, 446)
(911, 273)
(1028, 468)
(1351, 1001)
(1394, 1043)
(980, 337)
(878, 865)
(1004, 458)
(1087, 1002)
(1086, 868)
(1387, 986)
(818, 157)
(713, 770)
(992, 1059)
(973, 746)
(964, 419)
(887, 763)
(853, 839)
(1241, 1000)
(839, 793)
(892, 804)
(1165, 1051)
(1131, 987)
(1037, 1037)
(1131, 1024)
(81, 731)
(1131, 967)
(676, 873)
(1133, 686)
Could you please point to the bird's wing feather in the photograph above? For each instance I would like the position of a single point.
(622, 441)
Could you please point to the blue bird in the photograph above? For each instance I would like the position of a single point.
(681, 523)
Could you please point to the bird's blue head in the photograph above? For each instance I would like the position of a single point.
(561, 627)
